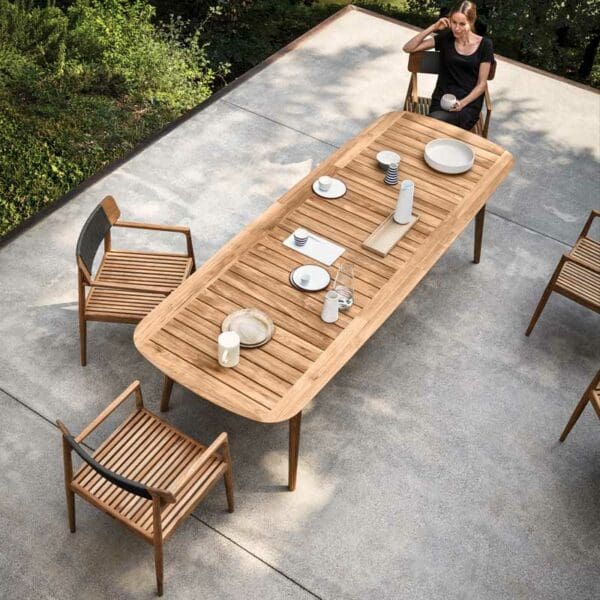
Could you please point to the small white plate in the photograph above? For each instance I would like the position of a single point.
(449, 156)
(386, 157)
(336, 190)
(319, 278)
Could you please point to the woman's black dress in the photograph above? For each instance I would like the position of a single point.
(458, 76)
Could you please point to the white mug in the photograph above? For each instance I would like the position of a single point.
(324, 183)
(330, 312)
(229, 349)
(448, 101)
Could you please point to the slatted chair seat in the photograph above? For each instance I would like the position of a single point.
(147, 474)
(577, 275)
(140, 269)
(128, 284)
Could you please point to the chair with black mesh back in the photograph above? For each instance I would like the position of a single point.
(128, 284)
(428, 62)
(146, 474)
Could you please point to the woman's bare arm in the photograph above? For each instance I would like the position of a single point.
(418, 42)
(484, 71)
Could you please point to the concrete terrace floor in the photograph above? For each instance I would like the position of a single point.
(430, 466)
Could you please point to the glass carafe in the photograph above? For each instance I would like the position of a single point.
(344, 285)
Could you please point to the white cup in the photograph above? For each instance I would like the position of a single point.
(331, 309)
(229, 349)
(300, 237)
(448, 101)
(304, 279)
(325, 183)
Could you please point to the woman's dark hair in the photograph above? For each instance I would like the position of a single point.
(469, 9)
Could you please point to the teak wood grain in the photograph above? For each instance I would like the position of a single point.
(274, 383)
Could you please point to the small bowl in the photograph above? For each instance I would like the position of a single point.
(387, 157)
(325, 183)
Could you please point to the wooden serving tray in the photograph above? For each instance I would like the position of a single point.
(387, 235)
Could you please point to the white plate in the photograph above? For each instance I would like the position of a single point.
(386, 157)
(336, 190)
(449, 156)
(319, 278)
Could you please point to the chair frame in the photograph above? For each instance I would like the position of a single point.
(427, 62)
(86, 280)
(160, 497)
(591, 395)
(553, 286)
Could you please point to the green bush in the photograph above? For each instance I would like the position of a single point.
(82, 85)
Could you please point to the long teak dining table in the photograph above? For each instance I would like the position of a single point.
(275, 382)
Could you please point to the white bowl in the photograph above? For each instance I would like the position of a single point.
(386, 157)
(449, 156)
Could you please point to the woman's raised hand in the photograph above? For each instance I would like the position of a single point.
(441, 24)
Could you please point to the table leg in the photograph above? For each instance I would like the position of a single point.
(479, 220)
(294, 447)
(166, 394)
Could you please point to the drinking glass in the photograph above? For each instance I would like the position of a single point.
(344, 285)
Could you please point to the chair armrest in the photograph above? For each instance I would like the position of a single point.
(133, 388)
(582, 264)
(172, 228)
(197, 464)
(154, 227)
(588, 223)
(130, 288)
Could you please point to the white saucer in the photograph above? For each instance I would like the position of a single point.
(336, 190)
(319, 278)
(449, 156)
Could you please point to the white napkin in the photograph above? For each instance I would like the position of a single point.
(316, 247)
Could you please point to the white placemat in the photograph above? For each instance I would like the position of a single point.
(316, 247)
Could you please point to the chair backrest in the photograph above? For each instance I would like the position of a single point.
(428, 61)
(125, 484)
(98, 224)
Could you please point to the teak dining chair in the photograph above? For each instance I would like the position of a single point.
(577, 275)
(428, 62)
(128, 284)
(591, 395)
(146, 474)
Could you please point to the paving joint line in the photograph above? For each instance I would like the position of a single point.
(279, 123)
(262, 560)
(229, 539)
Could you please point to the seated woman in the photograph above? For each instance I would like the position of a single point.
(466, 59)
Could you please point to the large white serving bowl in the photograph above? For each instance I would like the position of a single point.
(449, 156)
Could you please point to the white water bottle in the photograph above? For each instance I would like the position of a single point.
(404, 205)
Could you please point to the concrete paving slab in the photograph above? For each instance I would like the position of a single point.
(340, 79)
(41, 558)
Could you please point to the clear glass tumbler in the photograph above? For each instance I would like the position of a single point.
(344, 285)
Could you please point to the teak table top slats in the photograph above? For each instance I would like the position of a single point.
(273, 383)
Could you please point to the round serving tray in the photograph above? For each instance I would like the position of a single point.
(449, 156)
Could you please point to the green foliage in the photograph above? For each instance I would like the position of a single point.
(82, 85)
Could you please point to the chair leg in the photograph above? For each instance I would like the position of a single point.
(70, 495)
(158, 566)
(158, 543)
(576, 414)
(83, 339)
(166, 394)
(539, 308)
(479, 221)
(228, 478)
